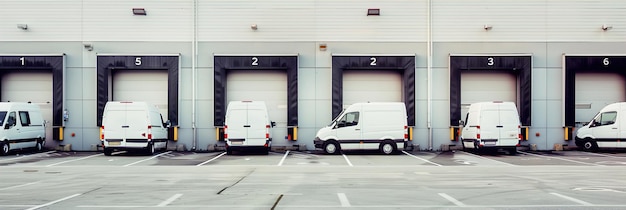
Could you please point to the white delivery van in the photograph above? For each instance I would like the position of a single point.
(492, 125)
(132, 126)
(366, 126)
(22, 127)
(247, 126)
(606, 130)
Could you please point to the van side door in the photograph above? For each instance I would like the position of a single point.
(348, 131)
(27, 134)
(605, 129)
(12, 130)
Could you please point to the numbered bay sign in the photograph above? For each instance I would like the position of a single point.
(106, 63)
(585, 63)
(518, 64)
(225, 63)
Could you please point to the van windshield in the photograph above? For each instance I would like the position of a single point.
(2, 116)
(336, 118)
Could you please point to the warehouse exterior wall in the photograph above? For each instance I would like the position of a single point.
(545, 29)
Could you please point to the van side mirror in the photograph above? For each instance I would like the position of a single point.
(167, 124)
(461, 122)
(273, 123)
(7, 126)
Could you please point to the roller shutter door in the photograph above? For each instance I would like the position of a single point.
(35, 87)
(486, 86)
(261, 85)
(594, 91)
(372, 86)
(141, 85)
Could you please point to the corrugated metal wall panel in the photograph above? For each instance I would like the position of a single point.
(113, 20)
(512, 20)
(309, 20)
(230, 20)
(347, 20)
(47, 20)
(529, 20)
(582, 20)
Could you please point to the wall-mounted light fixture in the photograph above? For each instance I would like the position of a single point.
(88, 47)
(375, 12)
(139, 11)
(487, 27)
(22, 26)
(606, 27)
(254, 27)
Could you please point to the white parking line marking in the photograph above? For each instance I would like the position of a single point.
(283, 160)
(67, 161)
(216, 157)
(573, 161)
(451, 199)
(478, 156)
(422, 159)
(170, 200)
(130, 164)
(23, 156)
(343, 199)
(573, 199)
(18, 186)
(53, 202)
(346, 157)
(603, 155)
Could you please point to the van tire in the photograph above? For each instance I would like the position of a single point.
(331, 147)
(39, 145)
(5, 148)
(229, 151)
(590, 145)
(512, 151)
(108, 152)
(387, 148)
(150, 149)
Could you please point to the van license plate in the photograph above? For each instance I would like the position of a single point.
(114, 143)
(490, 143)
(236, 142)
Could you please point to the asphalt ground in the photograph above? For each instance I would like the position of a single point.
(313, 180)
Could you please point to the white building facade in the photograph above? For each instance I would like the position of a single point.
(559, 61)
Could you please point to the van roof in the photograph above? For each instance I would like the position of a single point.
(8, 105)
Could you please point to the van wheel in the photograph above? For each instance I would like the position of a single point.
(590, 145)
(513, 151)
(108, 152)
(331, 147)
(5, 148)
(229, 151)
(150, 149)
(387, 148)
(39, 146)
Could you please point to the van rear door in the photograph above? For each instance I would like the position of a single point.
(136, 126)
(256, 126)
(247, 125)
(114, 122)
(490, 126)
(509, 130)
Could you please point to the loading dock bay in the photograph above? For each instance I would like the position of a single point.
(310, 179)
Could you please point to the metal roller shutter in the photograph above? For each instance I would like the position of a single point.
(145, 85)
(35, 87)
(372, 86)
(487, 86)
(594, 91)
(267, 85)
